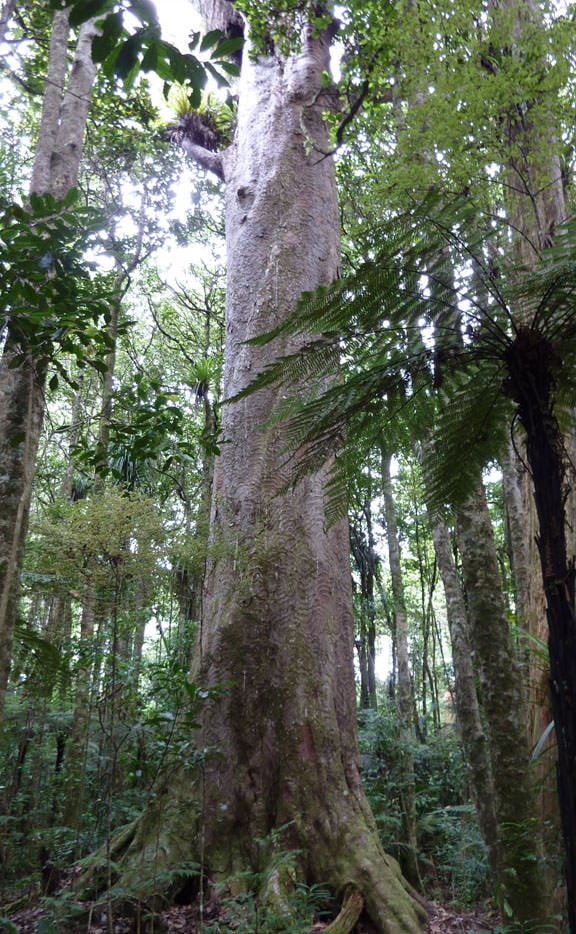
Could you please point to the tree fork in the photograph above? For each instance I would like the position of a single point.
(532, 361)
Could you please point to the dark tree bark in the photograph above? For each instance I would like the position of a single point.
(365, 559)
(531, 364)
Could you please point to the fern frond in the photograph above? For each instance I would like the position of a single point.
(471, 429)
(422, 329)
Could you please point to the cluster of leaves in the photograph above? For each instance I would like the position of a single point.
(257, 908)
(151, 436)
(116, 535)
(211, 125)
(415, 343)
(125, 54)
(51, 296)
(280, 23)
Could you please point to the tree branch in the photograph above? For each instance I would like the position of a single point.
(212, 161)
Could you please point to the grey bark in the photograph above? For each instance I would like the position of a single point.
(409, 860)
(6, 13)
(468, 714)
(277, 622)
(78, 741)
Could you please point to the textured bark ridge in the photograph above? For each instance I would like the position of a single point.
(278, 747)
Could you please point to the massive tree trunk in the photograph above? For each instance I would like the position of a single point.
(22, 399)
(279, 752)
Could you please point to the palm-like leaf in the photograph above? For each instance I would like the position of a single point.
(414, 343)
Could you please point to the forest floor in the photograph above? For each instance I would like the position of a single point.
(182, 919)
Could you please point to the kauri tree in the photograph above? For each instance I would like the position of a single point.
(276, 753)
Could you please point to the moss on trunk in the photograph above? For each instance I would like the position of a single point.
(275, 767)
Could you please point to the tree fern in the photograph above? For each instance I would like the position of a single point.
(416, 345)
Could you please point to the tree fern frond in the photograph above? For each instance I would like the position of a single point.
(423, 327)
(392, 288)
(471, 429)
(316, 359)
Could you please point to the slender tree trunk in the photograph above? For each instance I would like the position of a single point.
(468, 714)
(22, 398)
(277, 621)
(365, 558)
(6, 12)
(75, 763)
(519, 869)
(405, 699)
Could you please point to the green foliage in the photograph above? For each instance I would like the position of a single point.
(39, 660)
(519, 927)
(50, 295)
(451, 852)
(281, 23)
(213, 121)
(426, 330)
(270, 899)
(101, 540)
(125, 54)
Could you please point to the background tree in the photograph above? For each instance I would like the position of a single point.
(56, 166)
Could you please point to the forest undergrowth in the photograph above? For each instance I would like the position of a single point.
(38, 885)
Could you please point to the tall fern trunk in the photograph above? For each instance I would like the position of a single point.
(519, 872)
(277, 756)
(22, 399)
(531, 361)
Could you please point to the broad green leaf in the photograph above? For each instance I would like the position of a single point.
(145, 11)
(83, 10)
(228, 47)
(111, 31)
(211, 39)
(127, 57)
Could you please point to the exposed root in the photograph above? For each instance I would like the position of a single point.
(352, 906)
(99, 861)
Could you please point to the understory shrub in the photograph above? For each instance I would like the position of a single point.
(452, 854)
